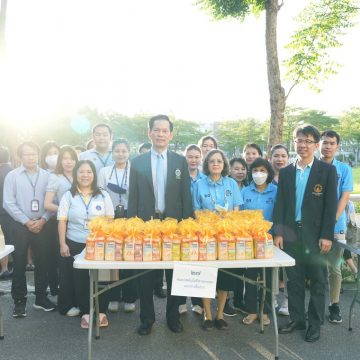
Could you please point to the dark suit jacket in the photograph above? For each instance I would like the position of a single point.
(318, 209)
(178, 203)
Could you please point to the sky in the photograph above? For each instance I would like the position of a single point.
(158, 56)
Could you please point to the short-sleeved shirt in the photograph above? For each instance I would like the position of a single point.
(200, 175)
(224, 192)
(24, 194)
(256, 200)
(345, 184)
(99, 160)
(73, 210)
(120, 177)
(58, 184)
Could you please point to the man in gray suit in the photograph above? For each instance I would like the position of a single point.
(159, 188)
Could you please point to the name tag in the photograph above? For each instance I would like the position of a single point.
(34, 205)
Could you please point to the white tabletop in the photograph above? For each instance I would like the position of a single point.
(280, 259)
(8, 249)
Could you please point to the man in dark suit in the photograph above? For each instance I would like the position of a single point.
(304, 220)
(159, 188)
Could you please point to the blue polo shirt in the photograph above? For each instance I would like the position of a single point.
(256, 200)
(345, 184)
(224, 192)
(200, 175)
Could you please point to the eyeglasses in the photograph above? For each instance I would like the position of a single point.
(304, 142)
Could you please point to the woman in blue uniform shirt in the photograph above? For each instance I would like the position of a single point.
(83, 202)
(217, 192)
(259, 195)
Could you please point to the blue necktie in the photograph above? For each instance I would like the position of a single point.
(160, 183)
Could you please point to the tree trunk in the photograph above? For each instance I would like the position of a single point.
(277, 93)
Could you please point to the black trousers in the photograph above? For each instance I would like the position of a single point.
(251, 292)
(75, 284)
(146, 293)
(53, 255)
(22, 238)
(127, 292)
(239, 288)
(311, 264)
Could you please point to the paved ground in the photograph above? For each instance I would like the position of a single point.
(52, 336)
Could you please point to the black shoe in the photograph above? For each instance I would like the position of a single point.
(291, 326)
(160, 293)
(175, 326)
(19, 309)
(45, 304)
(335, 316)
(6, 275)
(207, 325)
(229, 310)
(312, 334)
(220, 324)
(144, 329)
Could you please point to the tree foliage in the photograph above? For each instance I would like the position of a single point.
(322, 24)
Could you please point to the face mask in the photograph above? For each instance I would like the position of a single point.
(51, 160)
(259, 178)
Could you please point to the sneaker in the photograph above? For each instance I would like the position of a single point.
(182, 309)
(45, 304)
(335, 316)
(229, 310)
(197, 309)
(74, 311)
(19, 309)
(284, 309)
(113, 306)
(241, 308)
(129, 307)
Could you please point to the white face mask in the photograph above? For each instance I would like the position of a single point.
(259, 178)
(51, 161)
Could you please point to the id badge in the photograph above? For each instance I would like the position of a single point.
(35, 205)
(86, 224)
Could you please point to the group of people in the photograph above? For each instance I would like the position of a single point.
(50, 198)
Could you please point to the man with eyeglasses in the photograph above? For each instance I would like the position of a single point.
(24, 194)
(304, 221)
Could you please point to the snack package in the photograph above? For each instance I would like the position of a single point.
(188, 230)
(223, 252)
(240, 245)
(90, 248)
(194, 249)
(185, 249)
(167, 249)
(259, 248)
(138, 250)
(169, 234)
(119, 243)
(249, 248)
(110, 249)
(176, 248)
(133, 242)
(129, 249)
(99, 248)
(152, 241)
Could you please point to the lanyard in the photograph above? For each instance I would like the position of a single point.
(70, 182)
(33, 185)
(124, 178)
(86, 206)
(213, 200)
(102, 161)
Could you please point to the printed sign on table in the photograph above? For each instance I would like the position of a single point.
(192, 280)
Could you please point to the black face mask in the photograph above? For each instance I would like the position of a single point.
(116, 189)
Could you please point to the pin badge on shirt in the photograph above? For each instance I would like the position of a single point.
(35, 206)
(178, 174)
(318, 190)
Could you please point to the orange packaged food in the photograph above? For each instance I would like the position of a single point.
(99, 248)
(138, 250)
(241, 247)
(231, 249)
(259, 248)
(129, 249)
(223, 253)
(202, 249)
(110, 249)
(167, 249)
(211, 251)
(152, 241)
(90, 248)
(169, 234)
(249, 248)
(185, 249)
(194, 249)
(176, 248)
(119, 243)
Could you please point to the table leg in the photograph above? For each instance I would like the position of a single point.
(91, 315)
(356, 293)
(274, 291)
(262, 302)
(1, 324)
(96, 281)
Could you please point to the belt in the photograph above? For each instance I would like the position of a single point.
(298, 224)
(159, 215)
